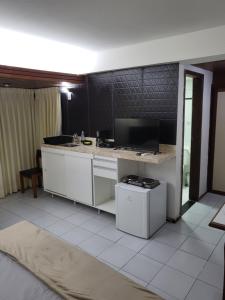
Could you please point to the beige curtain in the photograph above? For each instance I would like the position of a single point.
(47, 114)
(17, 139)
(24, 120)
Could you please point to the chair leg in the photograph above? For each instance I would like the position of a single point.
(40, 181)
(21, 183)
(34, 185)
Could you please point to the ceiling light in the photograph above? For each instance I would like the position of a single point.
(66, 91)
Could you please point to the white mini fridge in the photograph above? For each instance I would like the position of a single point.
(140, 211)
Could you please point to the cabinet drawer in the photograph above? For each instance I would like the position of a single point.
(105, 162)
(105, 172)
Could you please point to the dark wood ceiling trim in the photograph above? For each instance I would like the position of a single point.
(31, 74)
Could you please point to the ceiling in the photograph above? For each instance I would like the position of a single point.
(103, 24)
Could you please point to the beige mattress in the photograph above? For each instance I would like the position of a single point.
(67, 270)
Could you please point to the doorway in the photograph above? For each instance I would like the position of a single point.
(191, 148)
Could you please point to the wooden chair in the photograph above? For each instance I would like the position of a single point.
(35, 174)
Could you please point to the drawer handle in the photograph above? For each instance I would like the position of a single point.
(104, 168)
(105, 160)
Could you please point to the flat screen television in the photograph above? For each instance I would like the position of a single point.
(138, 134)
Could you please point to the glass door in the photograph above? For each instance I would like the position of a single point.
(188, 102)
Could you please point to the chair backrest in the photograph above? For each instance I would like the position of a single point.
(38, 158)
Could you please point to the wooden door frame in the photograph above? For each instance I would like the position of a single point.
(195, 148)
(212, 136)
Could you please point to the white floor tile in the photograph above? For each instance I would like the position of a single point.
(117, 255)
(133, 242)
(78, 218)
(110, 218)
(160, 293)
(60, 227)
(111, 233)
(213, 200)
(133, 278)
(24, 211)
(200, 208)
(158, 251)
(171, 238)
(142, 267)
(198, 248)
(174, 283)
(46, 220)
(8, 219)
(181, 227)
(77, 235)
(203, 291)
(193, 218)
(186, 263)
(217, 256)
(205, 222)
(95, 245)
(90, 211)
(107, 263)
(61, 212)
(94, 225)
(213, 275)
(208, 235)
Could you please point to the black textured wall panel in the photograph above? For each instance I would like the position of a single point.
(127, 93)
(160, 91)
(100, 102)
(144, 92)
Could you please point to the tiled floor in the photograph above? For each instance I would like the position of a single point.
(181, 261)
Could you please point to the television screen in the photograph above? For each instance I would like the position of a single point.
(137, 133)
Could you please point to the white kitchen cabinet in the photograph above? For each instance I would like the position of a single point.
(79, 177)
(53, 164)
(68, 173)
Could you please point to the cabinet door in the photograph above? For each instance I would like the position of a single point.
(79, 178)
(53, 164)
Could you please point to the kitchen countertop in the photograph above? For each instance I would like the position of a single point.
(167, 152)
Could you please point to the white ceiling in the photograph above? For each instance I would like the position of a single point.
(103, 24)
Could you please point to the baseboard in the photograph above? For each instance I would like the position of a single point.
(217, 192)
(170, 220)
(200, 197)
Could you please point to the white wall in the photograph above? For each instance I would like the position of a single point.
(166, 172)
(201, 45)
(205, 125)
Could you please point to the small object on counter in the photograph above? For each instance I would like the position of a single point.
(97, 138)
(82, 136)
(87, 142)
(76, 139)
